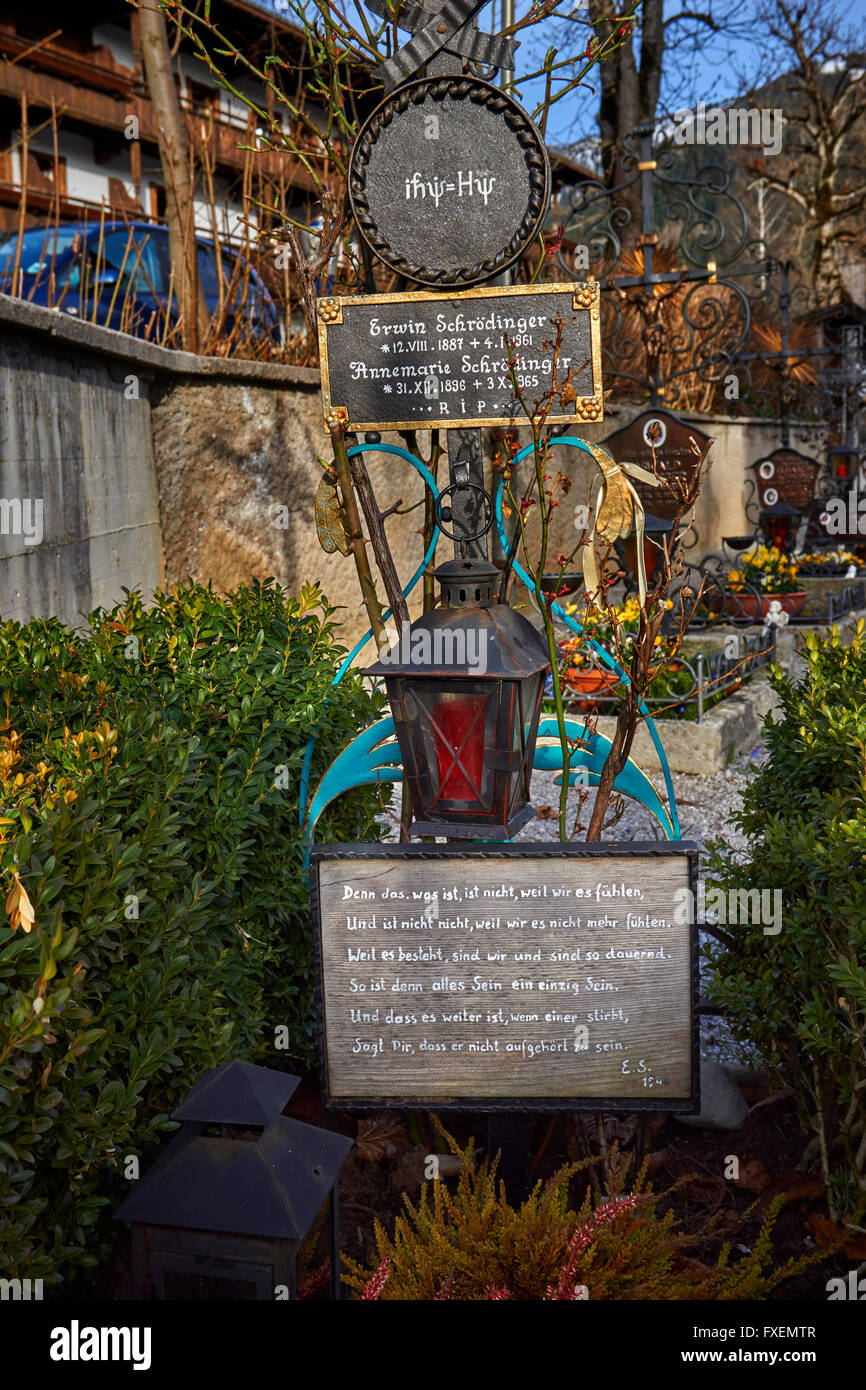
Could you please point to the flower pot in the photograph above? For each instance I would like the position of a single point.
(756, 606)
(588, 680)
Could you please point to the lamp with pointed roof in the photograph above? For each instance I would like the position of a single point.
(223, 1211)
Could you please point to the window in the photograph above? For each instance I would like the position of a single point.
(207, 271)
(157, 201)
(202, 100)
(128, 255)
(37, 247)
(134, 252)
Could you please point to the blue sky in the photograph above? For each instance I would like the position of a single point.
(708, 72)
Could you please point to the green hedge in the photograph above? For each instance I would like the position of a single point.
(150, 788)
(799, 997)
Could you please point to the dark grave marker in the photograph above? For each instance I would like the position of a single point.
(449, 181)
(678, 464)
(786, 476)
(427, 361)
(540, 976)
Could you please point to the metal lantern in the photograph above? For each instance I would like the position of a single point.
(465, 683)
(844, 461)
(780, 524)
(223, 1211)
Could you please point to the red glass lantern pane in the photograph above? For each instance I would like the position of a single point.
(777, 527)
(458, 741)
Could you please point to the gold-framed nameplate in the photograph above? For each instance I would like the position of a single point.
(455, 359)
(476, 977)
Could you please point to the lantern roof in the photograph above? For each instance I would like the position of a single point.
(491, 642)
(238, 1093)
(651, 522)
(781, 509)
(452, 571)
(270, 1184)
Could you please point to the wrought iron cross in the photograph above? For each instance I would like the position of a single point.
(437, 28)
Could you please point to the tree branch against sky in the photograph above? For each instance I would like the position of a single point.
(680, 52)
(806, 68)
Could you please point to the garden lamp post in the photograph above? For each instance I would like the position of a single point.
(223, 1211)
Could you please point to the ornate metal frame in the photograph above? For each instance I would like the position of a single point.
(526, 134)
(714, 340)
(583, 297)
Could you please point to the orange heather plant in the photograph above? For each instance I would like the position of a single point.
(472, 1245)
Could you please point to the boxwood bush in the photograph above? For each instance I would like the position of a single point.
(157, 912)
(800, 996)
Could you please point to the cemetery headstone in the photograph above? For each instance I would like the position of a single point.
(678, 461)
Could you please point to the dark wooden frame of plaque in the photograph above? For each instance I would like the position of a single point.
(586, 296)
(545, 850)
(525, 132)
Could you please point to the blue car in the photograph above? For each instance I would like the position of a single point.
(119, 276)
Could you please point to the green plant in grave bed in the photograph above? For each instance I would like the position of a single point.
(799, 997)
(471, 1244)
(767, 569)
(157, 918)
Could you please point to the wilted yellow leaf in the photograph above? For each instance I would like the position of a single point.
(25, 908)
(19, 907)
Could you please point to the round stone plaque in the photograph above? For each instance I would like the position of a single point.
(449, 181)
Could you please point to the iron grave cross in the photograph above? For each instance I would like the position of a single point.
(436, 28)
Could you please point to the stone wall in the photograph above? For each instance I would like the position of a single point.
(233, 459)
(154, 466)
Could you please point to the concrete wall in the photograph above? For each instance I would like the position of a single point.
(71, 440)
(156, 466)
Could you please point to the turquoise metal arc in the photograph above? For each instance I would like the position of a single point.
(577, 627)
(632, 781)
(359, 646)
(428, 554)
(374, 756)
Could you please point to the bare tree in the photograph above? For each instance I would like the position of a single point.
(178, 175)
(823, 94)
(653, 71)
(630, 86)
